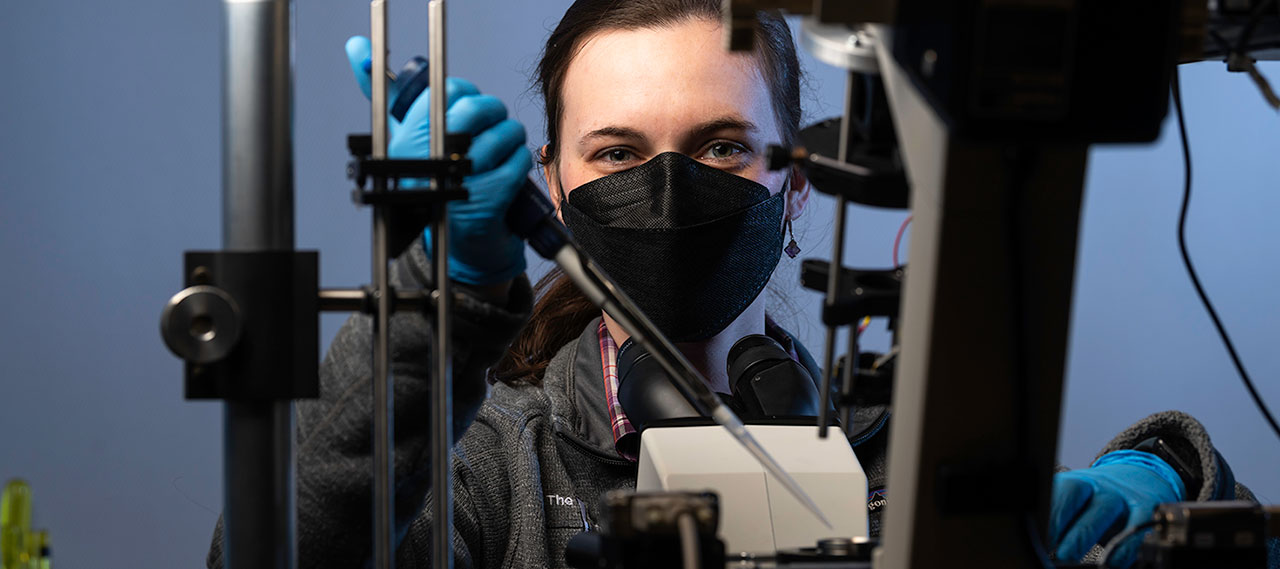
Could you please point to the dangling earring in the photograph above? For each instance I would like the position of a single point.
(793, 248)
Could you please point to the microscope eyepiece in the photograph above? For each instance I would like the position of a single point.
(767, 382)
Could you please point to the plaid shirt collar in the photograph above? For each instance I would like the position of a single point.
(624, 435)
(626, 441)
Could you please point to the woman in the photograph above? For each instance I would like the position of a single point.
(644, 109)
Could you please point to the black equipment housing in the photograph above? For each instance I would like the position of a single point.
(1011, 70)
(278, 352)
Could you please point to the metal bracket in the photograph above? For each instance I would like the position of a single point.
(862, 293)
(408, 212)
(247, 325)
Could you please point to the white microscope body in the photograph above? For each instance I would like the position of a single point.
(757, 514)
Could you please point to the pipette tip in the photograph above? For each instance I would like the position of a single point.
(725, 417)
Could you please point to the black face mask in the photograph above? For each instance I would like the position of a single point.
(692, 245)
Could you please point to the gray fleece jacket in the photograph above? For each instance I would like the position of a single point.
(531, 462)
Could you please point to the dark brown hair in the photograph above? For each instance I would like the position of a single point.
(561, 311)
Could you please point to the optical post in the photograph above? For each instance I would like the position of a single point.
(256, 292)
(247, 323)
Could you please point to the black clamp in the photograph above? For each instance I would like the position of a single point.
(247, 325)
(408, 211)
(872, 172)
(363, 167)
(875, 181)
(863, 292)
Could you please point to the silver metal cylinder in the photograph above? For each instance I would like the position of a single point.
(833, 285)
(378, 66)
(833, 277)
(383, 390)
(257, 126)
(442, 380)
(839, 45)
(259, 529)
(257, 213)
(439, 97)
(383, 404)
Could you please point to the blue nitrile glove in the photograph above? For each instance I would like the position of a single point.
(1121, 487)
(482, 251)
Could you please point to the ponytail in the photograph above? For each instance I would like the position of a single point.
(559, 316)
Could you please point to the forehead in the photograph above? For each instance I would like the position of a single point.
(659, 79)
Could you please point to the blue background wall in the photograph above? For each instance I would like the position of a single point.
(109, 169)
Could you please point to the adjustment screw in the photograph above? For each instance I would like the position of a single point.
(704, 515)
(929, 62)
(200, 275)
(654, 516)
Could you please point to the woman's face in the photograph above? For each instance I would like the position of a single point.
(630, 95)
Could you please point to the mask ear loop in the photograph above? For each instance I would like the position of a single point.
(559, 185)
(559, 189)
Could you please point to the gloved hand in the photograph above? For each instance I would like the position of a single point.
(482, 251)
(1121, 487)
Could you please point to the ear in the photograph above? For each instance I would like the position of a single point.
(798, 194)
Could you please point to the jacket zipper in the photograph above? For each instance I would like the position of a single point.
(872, 431)
(593, 453)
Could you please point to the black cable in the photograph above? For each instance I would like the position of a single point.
(1114, 544)
(1191, 271)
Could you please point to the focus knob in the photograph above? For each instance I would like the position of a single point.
(201, 324)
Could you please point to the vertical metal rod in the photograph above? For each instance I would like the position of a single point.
(257, 129)
(378, 66)
(258, 509)
(833, 285)
(257, 215)
(257, 135)
(439, 100)
(383, 408)
(383, 390)
(850, 374)
(442, 382)
(837, 264)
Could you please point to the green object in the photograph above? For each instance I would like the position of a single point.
(15, 525)
(40, 559)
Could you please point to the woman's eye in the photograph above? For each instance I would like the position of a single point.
(616, 155)
(722, 151)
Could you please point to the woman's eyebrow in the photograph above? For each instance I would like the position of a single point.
(612, 132)
(720, 124)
